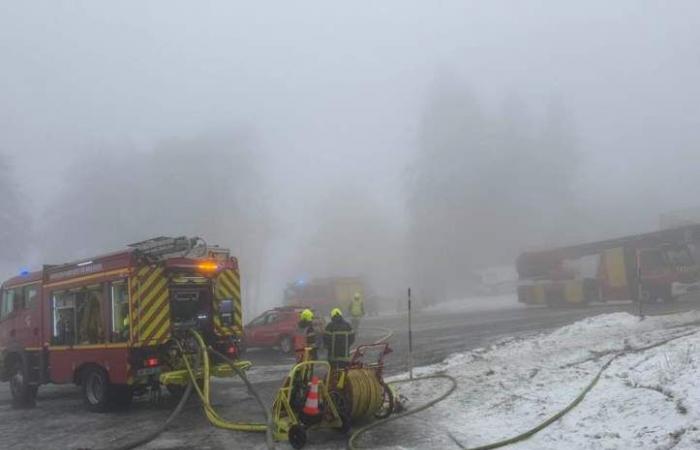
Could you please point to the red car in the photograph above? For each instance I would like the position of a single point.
(277, 327)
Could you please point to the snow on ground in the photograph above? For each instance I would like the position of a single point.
(645, 400)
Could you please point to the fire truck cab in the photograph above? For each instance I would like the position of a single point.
(109, 323)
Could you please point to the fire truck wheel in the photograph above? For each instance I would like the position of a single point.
(23, 395)
(297, 436)
(96, 389)
(286, 344)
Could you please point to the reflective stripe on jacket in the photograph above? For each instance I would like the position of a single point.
(337, 339)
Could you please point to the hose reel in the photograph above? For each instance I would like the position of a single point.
(365, 393)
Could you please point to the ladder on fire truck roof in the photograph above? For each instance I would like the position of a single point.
(163, 247)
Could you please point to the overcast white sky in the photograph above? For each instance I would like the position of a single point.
(335, 90)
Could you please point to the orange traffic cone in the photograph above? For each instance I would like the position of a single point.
(311, 406)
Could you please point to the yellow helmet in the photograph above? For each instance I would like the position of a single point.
(307, 315)
(336, 312)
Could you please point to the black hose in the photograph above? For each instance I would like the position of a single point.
(268, 417)
(181, 404)
(155, 433)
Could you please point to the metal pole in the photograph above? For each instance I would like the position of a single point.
(640, 290)
(410, 338)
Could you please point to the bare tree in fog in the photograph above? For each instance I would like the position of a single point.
(15, 229)
(484, 186)
(206, 186)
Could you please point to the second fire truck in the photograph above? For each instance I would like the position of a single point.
(644, 267)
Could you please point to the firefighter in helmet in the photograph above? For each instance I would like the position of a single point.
(357, 310)
(306, 350)
(306, 324)
(338, 338)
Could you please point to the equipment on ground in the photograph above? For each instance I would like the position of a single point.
(317, 394)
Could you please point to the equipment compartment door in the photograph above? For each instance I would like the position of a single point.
(228, 287)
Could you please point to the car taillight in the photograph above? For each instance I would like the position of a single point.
(151, 362)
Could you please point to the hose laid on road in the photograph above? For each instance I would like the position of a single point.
(531, 432)
(204, 394)
(157, 432)
(453, 385)
(268, 417)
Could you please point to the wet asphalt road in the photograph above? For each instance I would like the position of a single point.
(59, 420)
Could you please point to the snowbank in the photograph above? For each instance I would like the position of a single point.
(645, 400)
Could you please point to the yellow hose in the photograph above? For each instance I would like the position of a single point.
(204, 394)
(365, 392)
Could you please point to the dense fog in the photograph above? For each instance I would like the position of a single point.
(410, 143)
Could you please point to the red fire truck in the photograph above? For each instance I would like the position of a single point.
(657, 265)
(109, 323)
